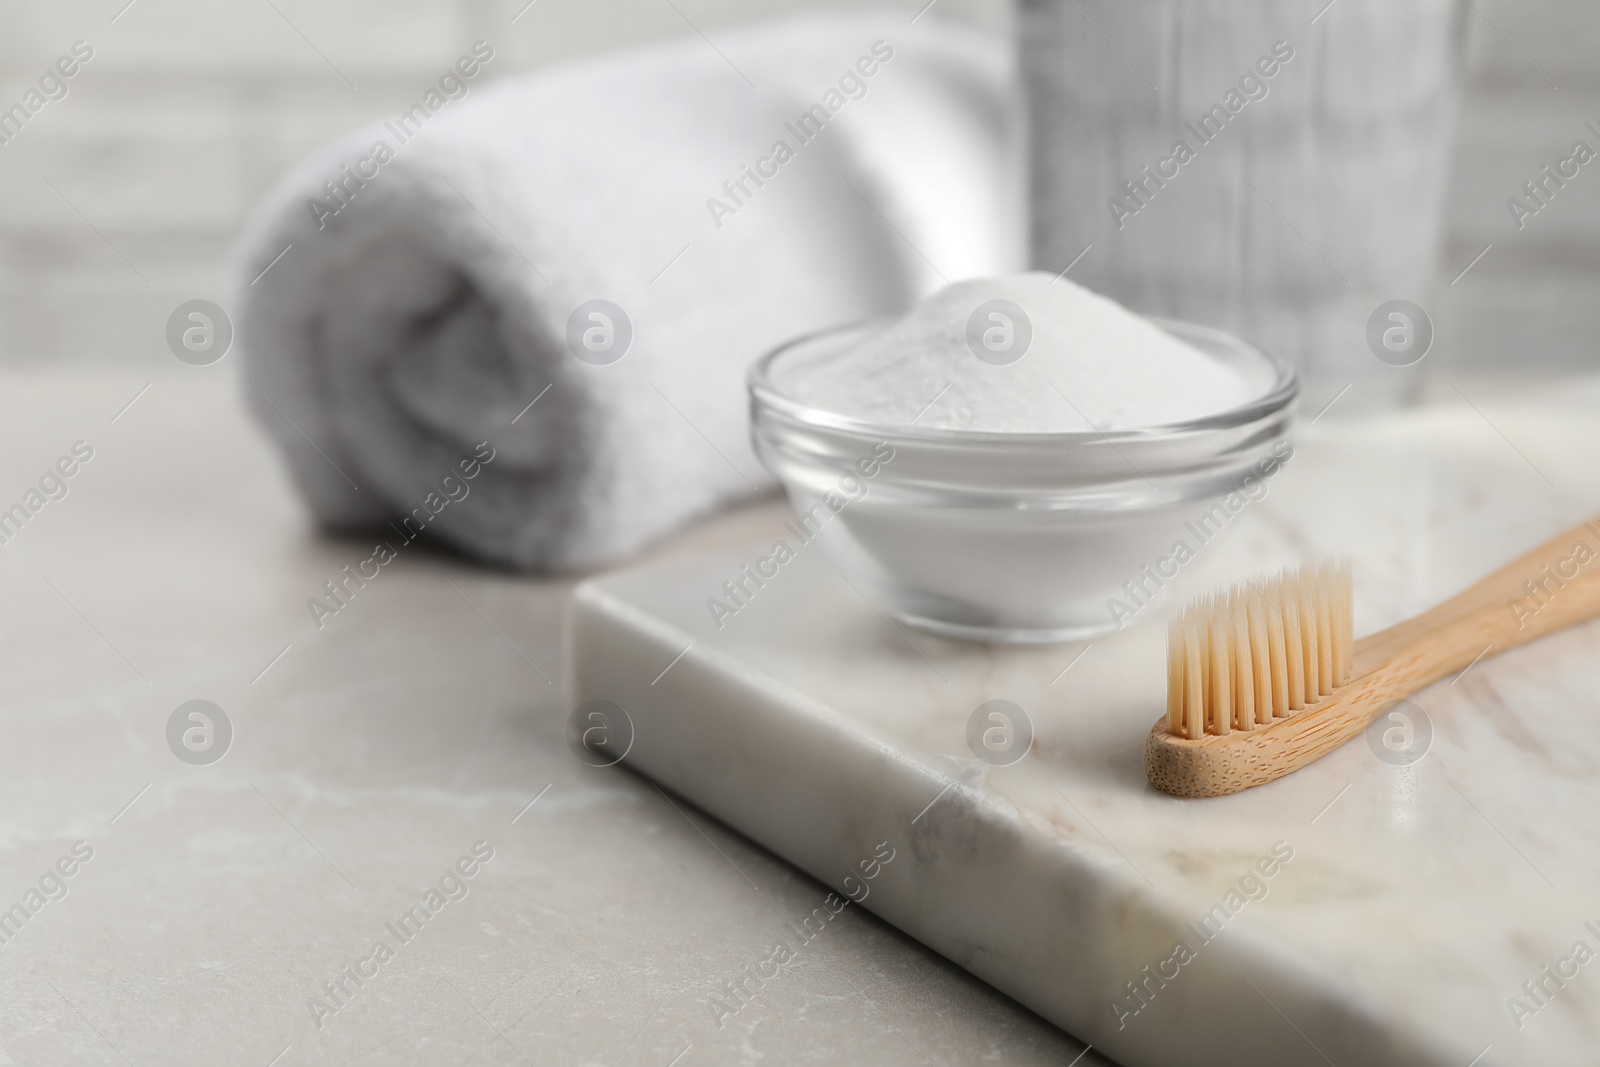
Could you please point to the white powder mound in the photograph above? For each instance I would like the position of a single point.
(1090, 365)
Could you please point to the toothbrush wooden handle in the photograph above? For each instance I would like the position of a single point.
(1546, 589)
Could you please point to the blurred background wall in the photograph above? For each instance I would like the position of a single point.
(120, 201)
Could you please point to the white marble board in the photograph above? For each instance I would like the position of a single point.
(1406, 906)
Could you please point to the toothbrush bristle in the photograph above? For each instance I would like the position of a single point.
(1260, 652)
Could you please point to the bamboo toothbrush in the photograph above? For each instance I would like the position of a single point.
(1266, 678)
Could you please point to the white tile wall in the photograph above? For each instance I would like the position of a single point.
(1530, 302)
(191, 109)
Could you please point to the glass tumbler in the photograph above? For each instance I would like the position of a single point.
(1273, 169)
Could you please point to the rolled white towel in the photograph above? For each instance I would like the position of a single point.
(390, 328)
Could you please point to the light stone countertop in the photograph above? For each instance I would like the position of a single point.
(368, 758)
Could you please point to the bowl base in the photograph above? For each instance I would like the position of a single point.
(1007, 635)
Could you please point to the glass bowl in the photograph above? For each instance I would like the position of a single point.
(1018, 537)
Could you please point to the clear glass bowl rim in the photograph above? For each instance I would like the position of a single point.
(1280, 394)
